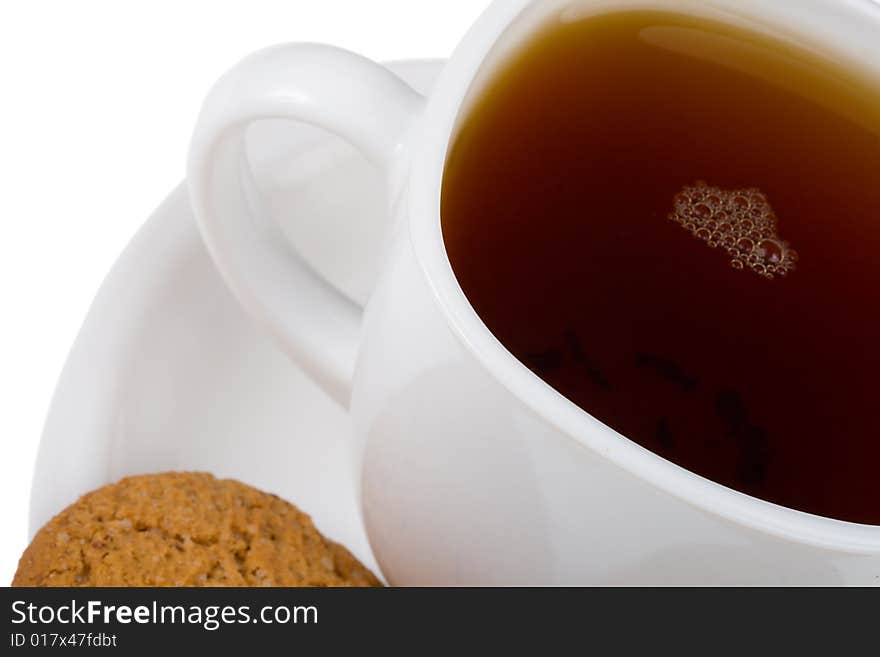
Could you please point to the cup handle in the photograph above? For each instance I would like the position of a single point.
(313, 322)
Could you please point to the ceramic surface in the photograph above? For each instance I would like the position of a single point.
(470, 469)
(168, 373)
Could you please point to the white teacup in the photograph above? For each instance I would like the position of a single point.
(473, 470)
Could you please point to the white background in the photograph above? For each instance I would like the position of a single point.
(97, 100)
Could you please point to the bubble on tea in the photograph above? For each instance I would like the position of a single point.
(739, 220)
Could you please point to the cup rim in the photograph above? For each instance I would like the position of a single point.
(423, 207)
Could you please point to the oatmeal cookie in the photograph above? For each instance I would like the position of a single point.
(185, 529)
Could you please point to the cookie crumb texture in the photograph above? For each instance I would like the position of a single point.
(185, 529)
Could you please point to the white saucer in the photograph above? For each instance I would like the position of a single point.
(168, 374)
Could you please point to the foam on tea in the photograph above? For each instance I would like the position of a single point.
(676, 224)
(740, 222)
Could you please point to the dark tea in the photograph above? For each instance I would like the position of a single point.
(676, 224)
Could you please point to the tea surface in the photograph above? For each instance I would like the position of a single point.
(676, 224)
